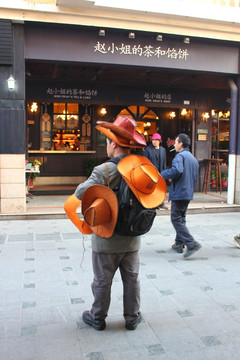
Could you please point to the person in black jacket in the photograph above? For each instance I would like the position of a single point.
(183, 175)
(157, 155)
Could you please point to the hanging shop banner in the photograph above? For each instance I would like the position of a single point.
(63, 91)
(83, 44)
(155, 96)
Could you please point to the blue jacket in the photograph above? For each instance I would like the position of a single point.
(184, 174)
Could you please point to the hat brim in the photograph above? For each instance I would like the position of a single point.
(149, 201)
(119, 131)
(100, 191)
(119, 140)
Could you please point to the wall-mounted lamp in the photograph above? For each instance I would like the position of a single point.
(159, 37)
(172, 115)
(184, 112)
(11, 83)
(205, 116)
(186, 40)
(101, 32)
(34, 107)
(103, 111)
(131, 35)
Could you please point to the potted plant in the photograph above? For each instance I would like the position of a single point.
(89, 164)
(32, 176)
(224, 177)
(213, 178)
(36, 164)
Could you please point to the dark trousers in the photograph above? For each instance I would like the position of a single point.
(104, 267)
(178, 218)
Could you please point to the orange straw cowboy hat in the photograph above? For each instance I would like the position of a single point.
(122, 131)
(70, 206)
(143, 179)
(100, 209)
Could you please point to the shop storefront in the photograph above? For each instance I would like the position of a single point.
(73, 79)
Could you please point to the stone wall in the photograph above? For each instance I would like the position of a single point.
(12, 183)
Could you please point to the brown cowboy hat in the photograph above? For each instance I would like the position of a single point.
(143, 179)
(100, 210)
(122, 131)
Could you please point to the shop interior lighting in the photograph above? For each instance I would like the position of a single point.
(205, 116)
(101, 32)
(103, 111)
(147, 125)
(186, 40)
(131, 35)
(11, 83)
(172, 114)
(34, 107)
(159, 37)
(184, 112)
(225, 114)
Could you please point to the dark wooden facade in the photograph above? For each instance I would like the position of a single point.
(36, 44)
(12, 103)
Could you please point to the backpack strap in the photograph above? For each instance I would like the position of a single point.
(114, 160)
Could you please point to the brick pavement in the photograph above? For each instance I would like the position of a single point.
(190, 308)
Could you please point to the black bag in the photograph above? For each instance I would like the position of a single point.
(133, 218)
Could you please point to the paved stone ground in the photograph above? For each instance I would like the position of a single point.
(190, 307)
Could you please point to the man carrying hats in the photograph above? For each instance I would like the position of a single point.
(110, 251)
(183, 173)
(157, 155)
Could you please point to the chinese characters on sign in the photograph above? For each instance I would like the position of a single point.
(138, 50)
(157, 98)
(72, 93)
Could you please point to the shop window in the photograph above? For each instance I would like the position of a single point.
(139, 112)
(65, 116)
(145, 118)
(220, 135)
(70, 131)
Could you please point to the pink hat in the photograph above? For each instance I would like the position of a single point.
(156, 136)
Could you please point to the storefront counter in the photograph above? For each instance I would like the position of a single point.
(62, 163)
(71, 152)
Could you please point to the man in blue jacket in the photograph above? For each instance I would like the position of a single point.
(183, 175)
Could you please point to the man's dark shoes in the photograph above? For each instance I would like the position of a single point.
(132, 324)
(190, 252)
(98, 324)
(178, 247)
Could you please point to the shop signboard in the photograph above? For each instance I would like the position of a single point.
(83, 44)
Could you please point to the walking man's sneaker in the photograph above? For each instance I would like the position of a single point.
(178, 247)
(189, 252)
(132, 324)
(98, 324)
(237, 240)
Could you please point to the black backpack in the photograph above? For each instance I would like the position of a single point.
(133, 218)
